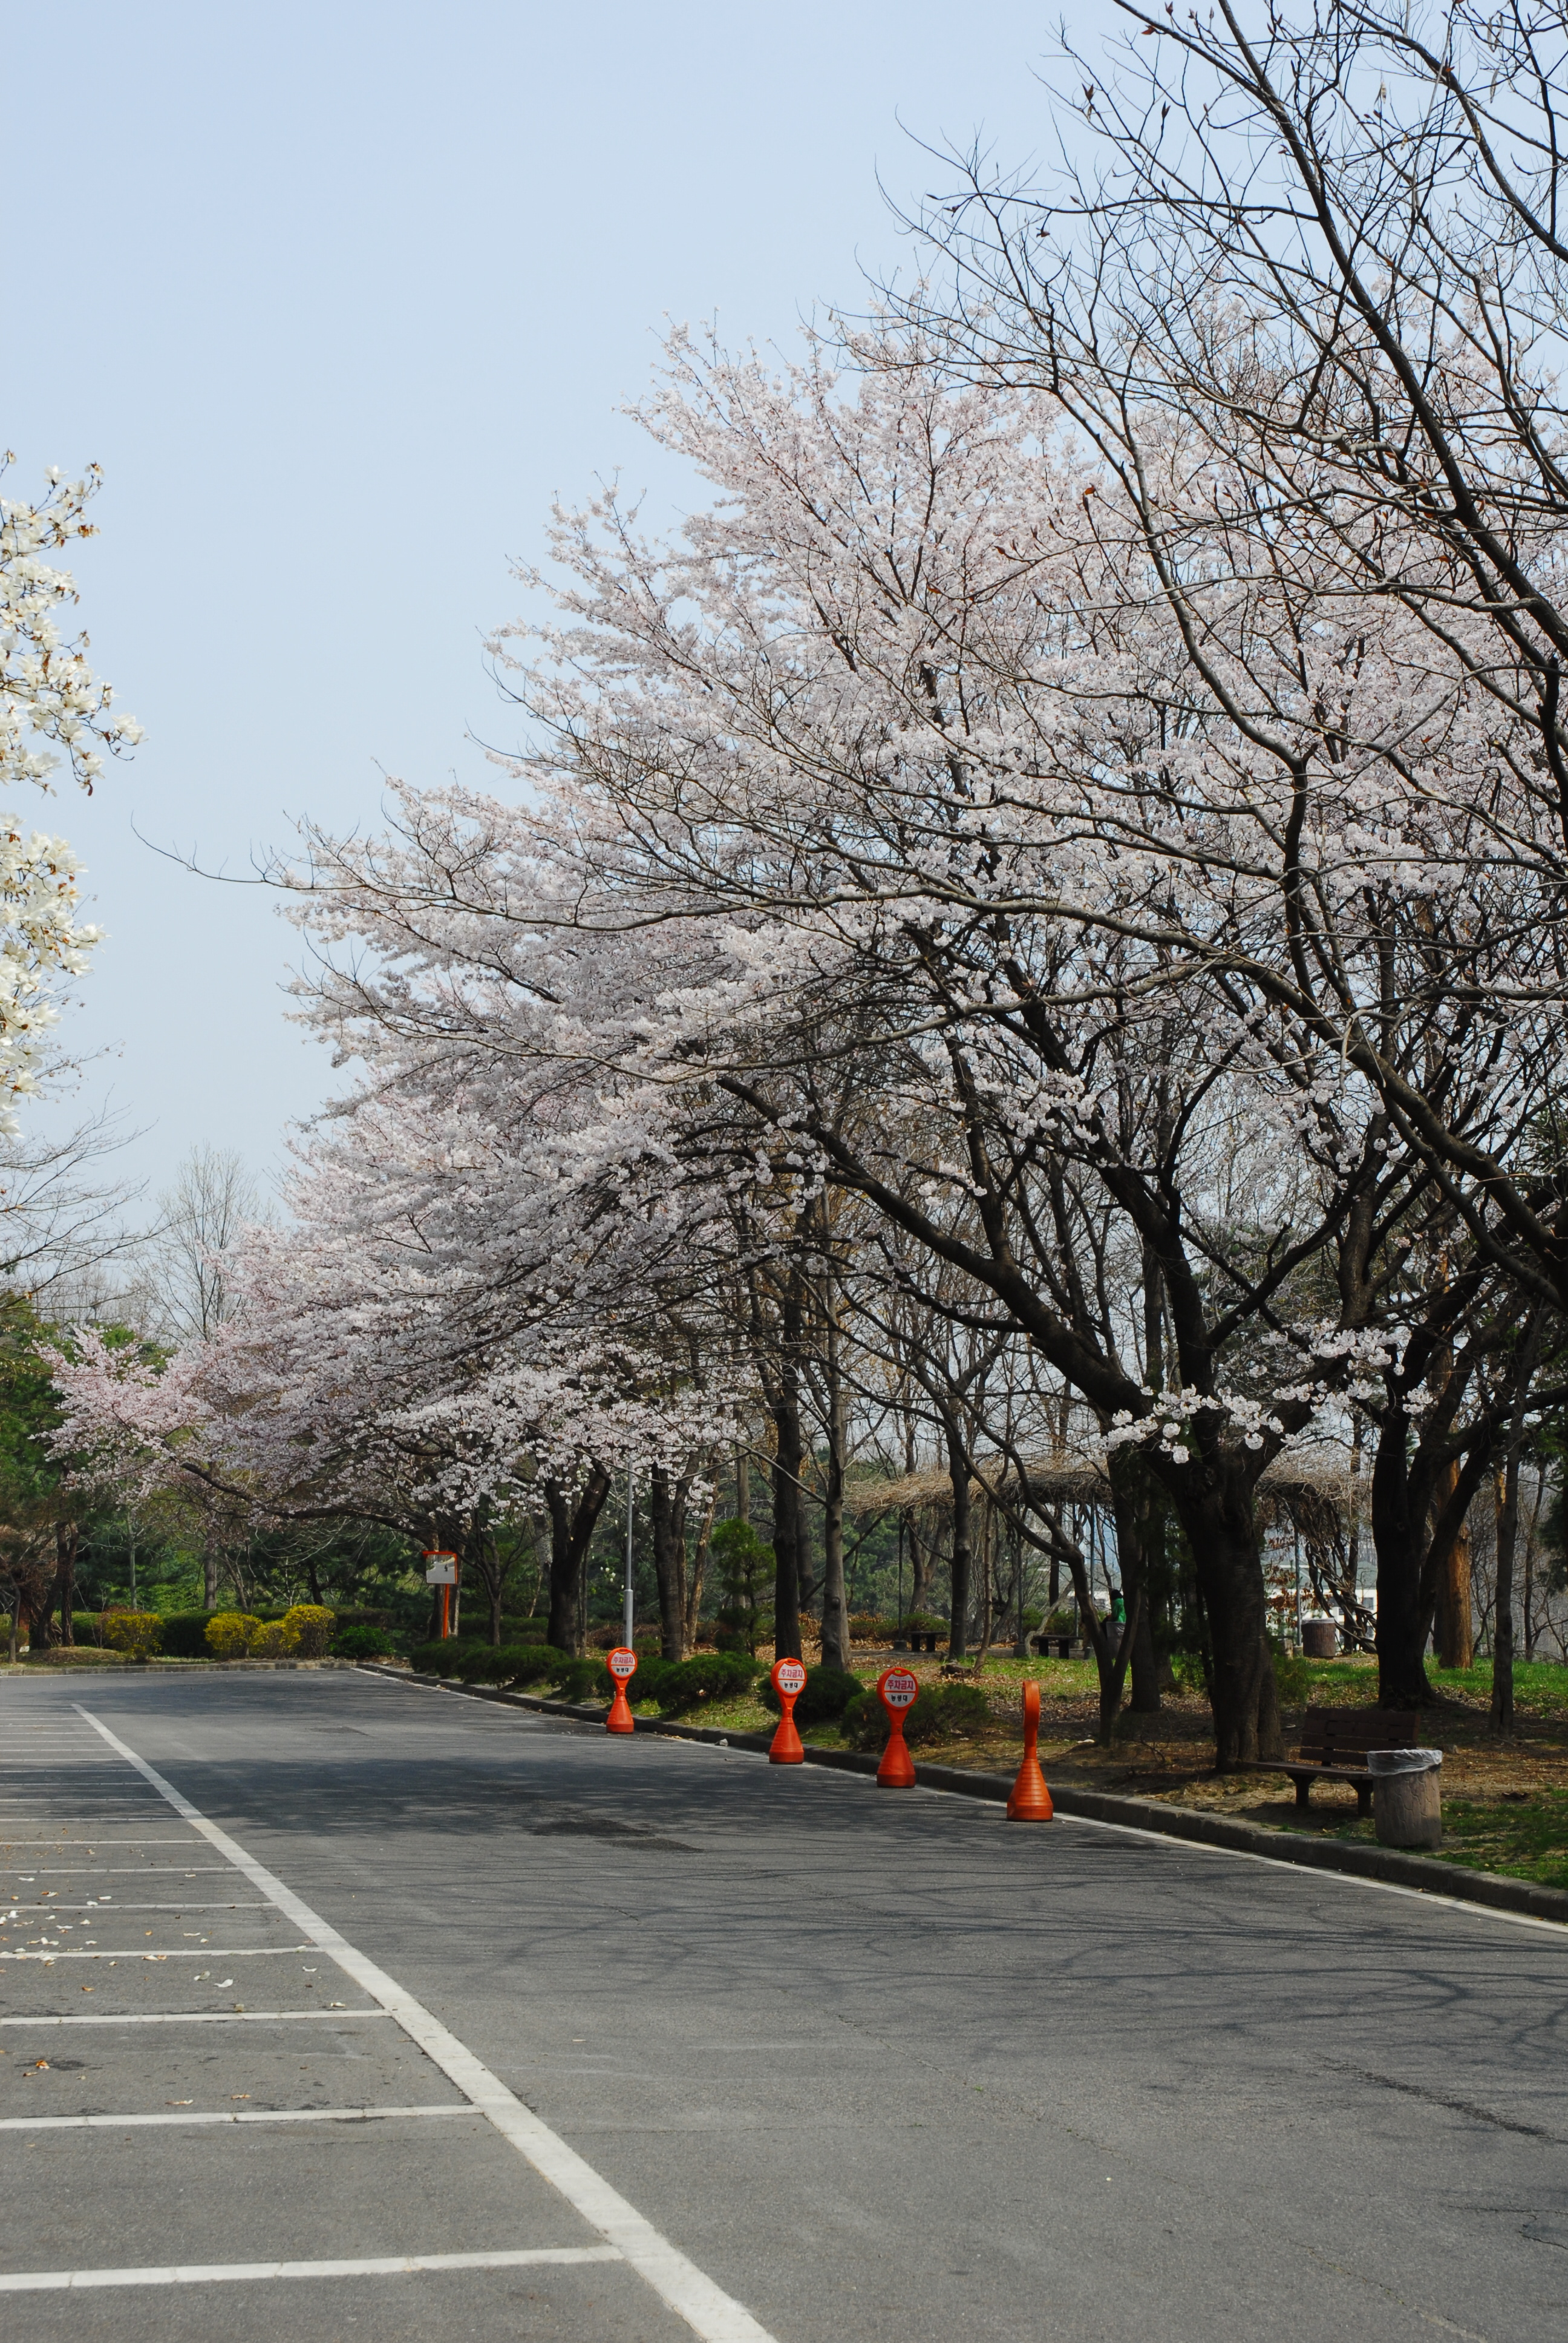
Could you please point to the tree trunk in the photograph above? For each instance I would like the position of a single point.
(209, 1574)
(67, 1535)
(1214, 1503)
(487, 1563)
(787, 1460)
(572, 1525)
(1401, 1640)
(835, 1608)
(959, 1573)
(1455, 1623)
(742, 1485)
(666, 1510)
(1505, 1495)
(1137, 1513)
(700, 1567)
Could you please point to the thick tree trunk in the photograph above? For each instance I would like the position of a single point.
(1455, 1623)
(1214, 1505)
(1396, 1538)
(209, 1574)
(666, 1510)
(573, 1521)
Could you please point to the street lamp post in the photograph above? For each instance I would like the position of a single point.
(630, 1516)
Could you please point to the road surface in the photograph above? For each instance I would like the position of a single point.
(626, 2042)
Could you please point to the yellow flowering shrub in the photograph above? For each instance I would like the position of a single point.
(228, 1634)
(137, 1634)
(312, 1623)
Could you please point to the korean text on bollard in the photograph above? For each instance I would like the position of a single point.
(622, 1665)
(896, 1689)
(789, 1681)
(1030, 1800)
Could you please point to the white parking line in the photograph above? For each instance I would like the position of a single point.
(707, 2309)
(382, 2266)
(180, 1953)
(230, 2115)
(196, 2017)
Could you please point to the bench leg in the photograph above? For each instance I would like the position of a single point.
(1303, 1790)
(1364, 1802)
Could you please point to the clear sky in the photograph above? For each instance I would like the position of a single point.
(339, 295)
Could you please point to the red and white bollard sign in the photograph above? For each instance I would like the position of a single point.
(789, 1681)
(622, 1665)
(896, 1689)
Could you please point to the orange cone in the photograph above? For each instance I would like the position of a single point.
(789, 1681)
(622, 1665)
(896, 1689)
(1030, 1800)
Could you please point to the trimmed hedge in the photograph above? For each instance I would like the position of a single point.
(708, 1675)
(185, 1635)
(949, 1712)
(826, 1694)
(362, 1643)
(445, 1658)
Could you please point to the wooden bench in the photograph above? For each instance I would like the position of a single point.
(1334, 1744)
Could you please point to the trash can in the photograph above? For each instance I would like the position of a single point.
(1320, 1639)
(1407, 1806)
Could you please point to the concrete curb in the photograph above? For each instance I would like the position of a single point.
(1385, 1863)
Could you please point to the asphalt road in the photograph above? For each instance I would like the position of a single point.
(858, 2064)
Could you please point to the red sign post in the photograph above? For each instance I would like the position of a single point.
(896, 1689)
(622, 1665)
(442, 1571)
(789, 1681)
(1030, 1800)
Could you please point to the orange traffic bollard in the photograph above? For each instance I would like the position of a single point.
(896, 1689)
(789, 1681)
(622, 1665)
(1030, 1800)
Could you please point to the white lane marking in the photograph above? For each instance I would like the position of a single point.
(196, 2017)
(113, 1909)
(180, 1953)
(379, 2266)
(58, 1845)
(707, 2309)
(229, 2115)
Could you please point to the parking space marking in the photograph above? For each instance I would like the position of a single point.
(707, 2309)
(178, 1953)
(235, 2115)
(197, 2018)
(380, 2265)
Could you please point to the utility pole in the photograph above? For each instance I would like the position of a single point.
(630, 1516)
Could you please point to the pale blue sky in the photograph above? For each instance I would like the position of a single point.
(339, 295)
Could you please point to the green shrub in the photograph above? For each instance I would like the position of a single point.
(871, 1627)
(708, 1675)
(185, 1635)
(443, 1658)
(648, 1682)
(524, 1631)
(505, 1663)
(926, 1621)
(137, 1634)
(950, 1712)
(827, 1694)
(361, 1644)
(580, 1679)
